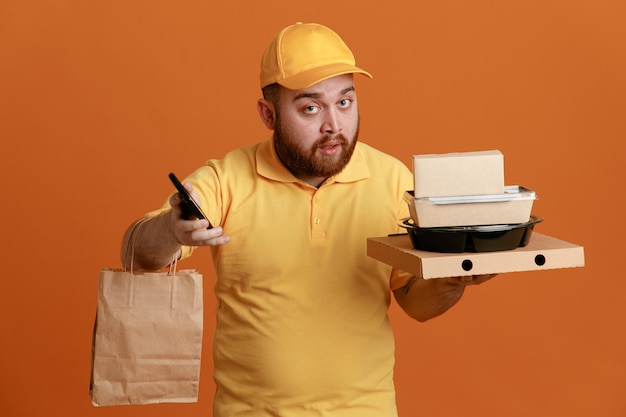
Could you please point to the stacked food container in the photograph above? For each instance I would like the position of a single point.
(460, 204)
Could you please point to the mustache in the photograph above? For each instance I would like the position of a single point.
(334, 138)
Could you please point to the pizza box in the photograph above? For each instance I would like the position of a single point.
(542, 252)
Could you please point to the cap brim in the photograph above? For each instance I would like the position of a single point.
(313, 76)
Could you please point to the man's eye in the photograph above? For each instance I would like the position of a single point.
(345, 103)
(311, 109)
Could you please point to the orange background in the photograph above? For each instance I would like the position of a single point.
(99, 100)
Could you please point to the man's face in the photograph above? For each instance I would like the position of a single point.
(317, 128)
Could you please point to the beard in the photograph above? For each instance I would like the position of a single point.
(309, 162)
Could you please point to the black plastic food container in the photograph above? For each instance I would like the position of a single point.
(459, 239)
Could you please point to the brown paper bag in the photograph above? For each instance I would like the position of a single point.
(147, 338)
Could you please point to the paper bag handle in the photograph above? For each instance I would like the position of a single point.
(134, 232)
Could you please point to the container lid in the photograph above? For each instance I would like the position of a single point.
(511, 192)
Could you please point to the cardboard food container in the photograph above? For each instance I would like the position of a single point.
(542, 252)
(512, 206)
(458, 174)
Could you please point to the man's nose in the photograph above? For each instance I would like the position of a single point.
(332, 122)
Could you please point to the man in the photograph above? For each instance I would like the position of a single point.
(302, 326)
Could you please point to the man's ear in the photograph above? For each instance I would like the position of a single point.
(267, 113)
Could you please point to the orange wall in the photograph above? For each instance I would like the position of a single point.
(100, 100)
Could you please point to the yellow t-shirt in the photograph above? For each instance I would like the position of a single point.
(302, 326)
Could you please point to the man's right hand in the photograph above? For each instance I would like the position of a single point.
(193, 232)
(158, 241)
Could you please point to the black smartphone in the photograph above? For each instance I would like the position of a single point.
(189, 206)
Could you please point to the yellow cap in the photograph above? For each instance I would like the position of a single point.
(304, 54)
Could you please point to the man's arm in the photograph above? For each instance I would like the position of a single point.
(159, 239)
(424, 299)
